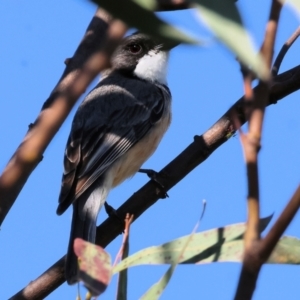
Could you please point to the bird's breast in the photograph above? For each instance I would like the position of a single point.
(130, 163)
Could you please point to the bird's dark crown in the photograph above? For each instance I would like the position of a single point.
(132, 49)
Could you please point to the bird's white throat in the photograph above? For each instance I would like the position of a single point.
(153, 67)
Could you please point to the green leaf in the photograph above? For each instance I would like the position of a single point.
(146, 21)
(156, 290)
(203, 245)
(95, 268)
(224, 19)
(287, 251)
(294, 3)
(147, 4)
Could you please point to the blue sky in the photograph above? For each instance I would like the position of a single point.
(36, 37)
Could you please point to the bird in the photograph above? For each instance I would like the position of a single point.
(116, 128)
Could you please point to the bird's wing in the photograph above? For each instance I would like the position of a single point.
(103, 130)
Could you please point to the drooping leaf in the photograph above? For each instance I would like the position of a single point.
(287, 251)
(135, 15)
(203, 245)
(223, 18)
(156, 290)
(95, 268)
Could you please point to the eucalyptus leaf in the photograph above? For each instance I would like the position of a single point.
(287, 251)
(147, 4)
(293, 3)
(156, 290)
(94, 266)
(224, 20)
(135, 15)
(203, 245)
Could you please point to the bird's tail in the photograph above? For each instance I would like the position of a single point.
(85, 212)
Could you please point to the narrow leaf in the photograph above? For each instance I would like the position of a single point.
(202, 246)
(287, 251)
(95, 268)
(146, 21)
(147, 4)
(156, 290)
(223, 18)
(294, 3)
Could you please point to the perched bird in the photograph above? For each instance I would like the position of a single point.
(115, 130)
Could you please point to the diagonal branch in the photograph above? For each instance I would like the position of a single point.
(91, 56)
(283, 51)
(197, 152)
(261, 251)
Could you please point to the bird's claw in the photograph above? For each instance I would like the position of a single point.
(153, 175)
(112, 212)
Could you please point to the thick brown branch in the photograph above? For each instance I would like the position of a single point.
(90, 58)
(175, 171)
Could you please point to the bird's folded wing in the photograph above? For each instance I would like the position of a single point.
(91, 150)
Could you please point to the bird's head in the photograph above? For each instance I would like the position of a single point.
(143, 57)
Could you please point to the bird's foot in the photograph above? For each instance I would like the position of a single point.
(112, 212)
(153, 175)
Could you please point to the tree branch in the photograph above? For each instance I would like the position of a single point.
(261, 250)
(269, 242)
(91, 56)
(284, 49)
(197, 152)
(251, 143)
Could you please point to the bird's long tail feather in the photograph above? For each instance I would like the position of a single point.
(85, 212)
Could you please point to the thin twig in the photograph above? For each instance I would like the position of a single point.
(251, 144)
(122, 254)
(284, 49)
(267, 49)
(196, 153)
(128, 221)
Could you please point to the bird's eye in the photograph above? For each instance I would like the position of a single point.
(135, 48)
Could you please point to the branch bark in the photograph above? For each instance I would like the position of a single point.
(91, 56)
(197, 152)
(251, 143)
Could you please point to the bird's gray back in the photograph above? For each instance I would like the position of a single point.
(116, 114)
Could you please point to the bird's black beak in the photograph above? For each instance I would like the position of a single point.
(169, 46)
